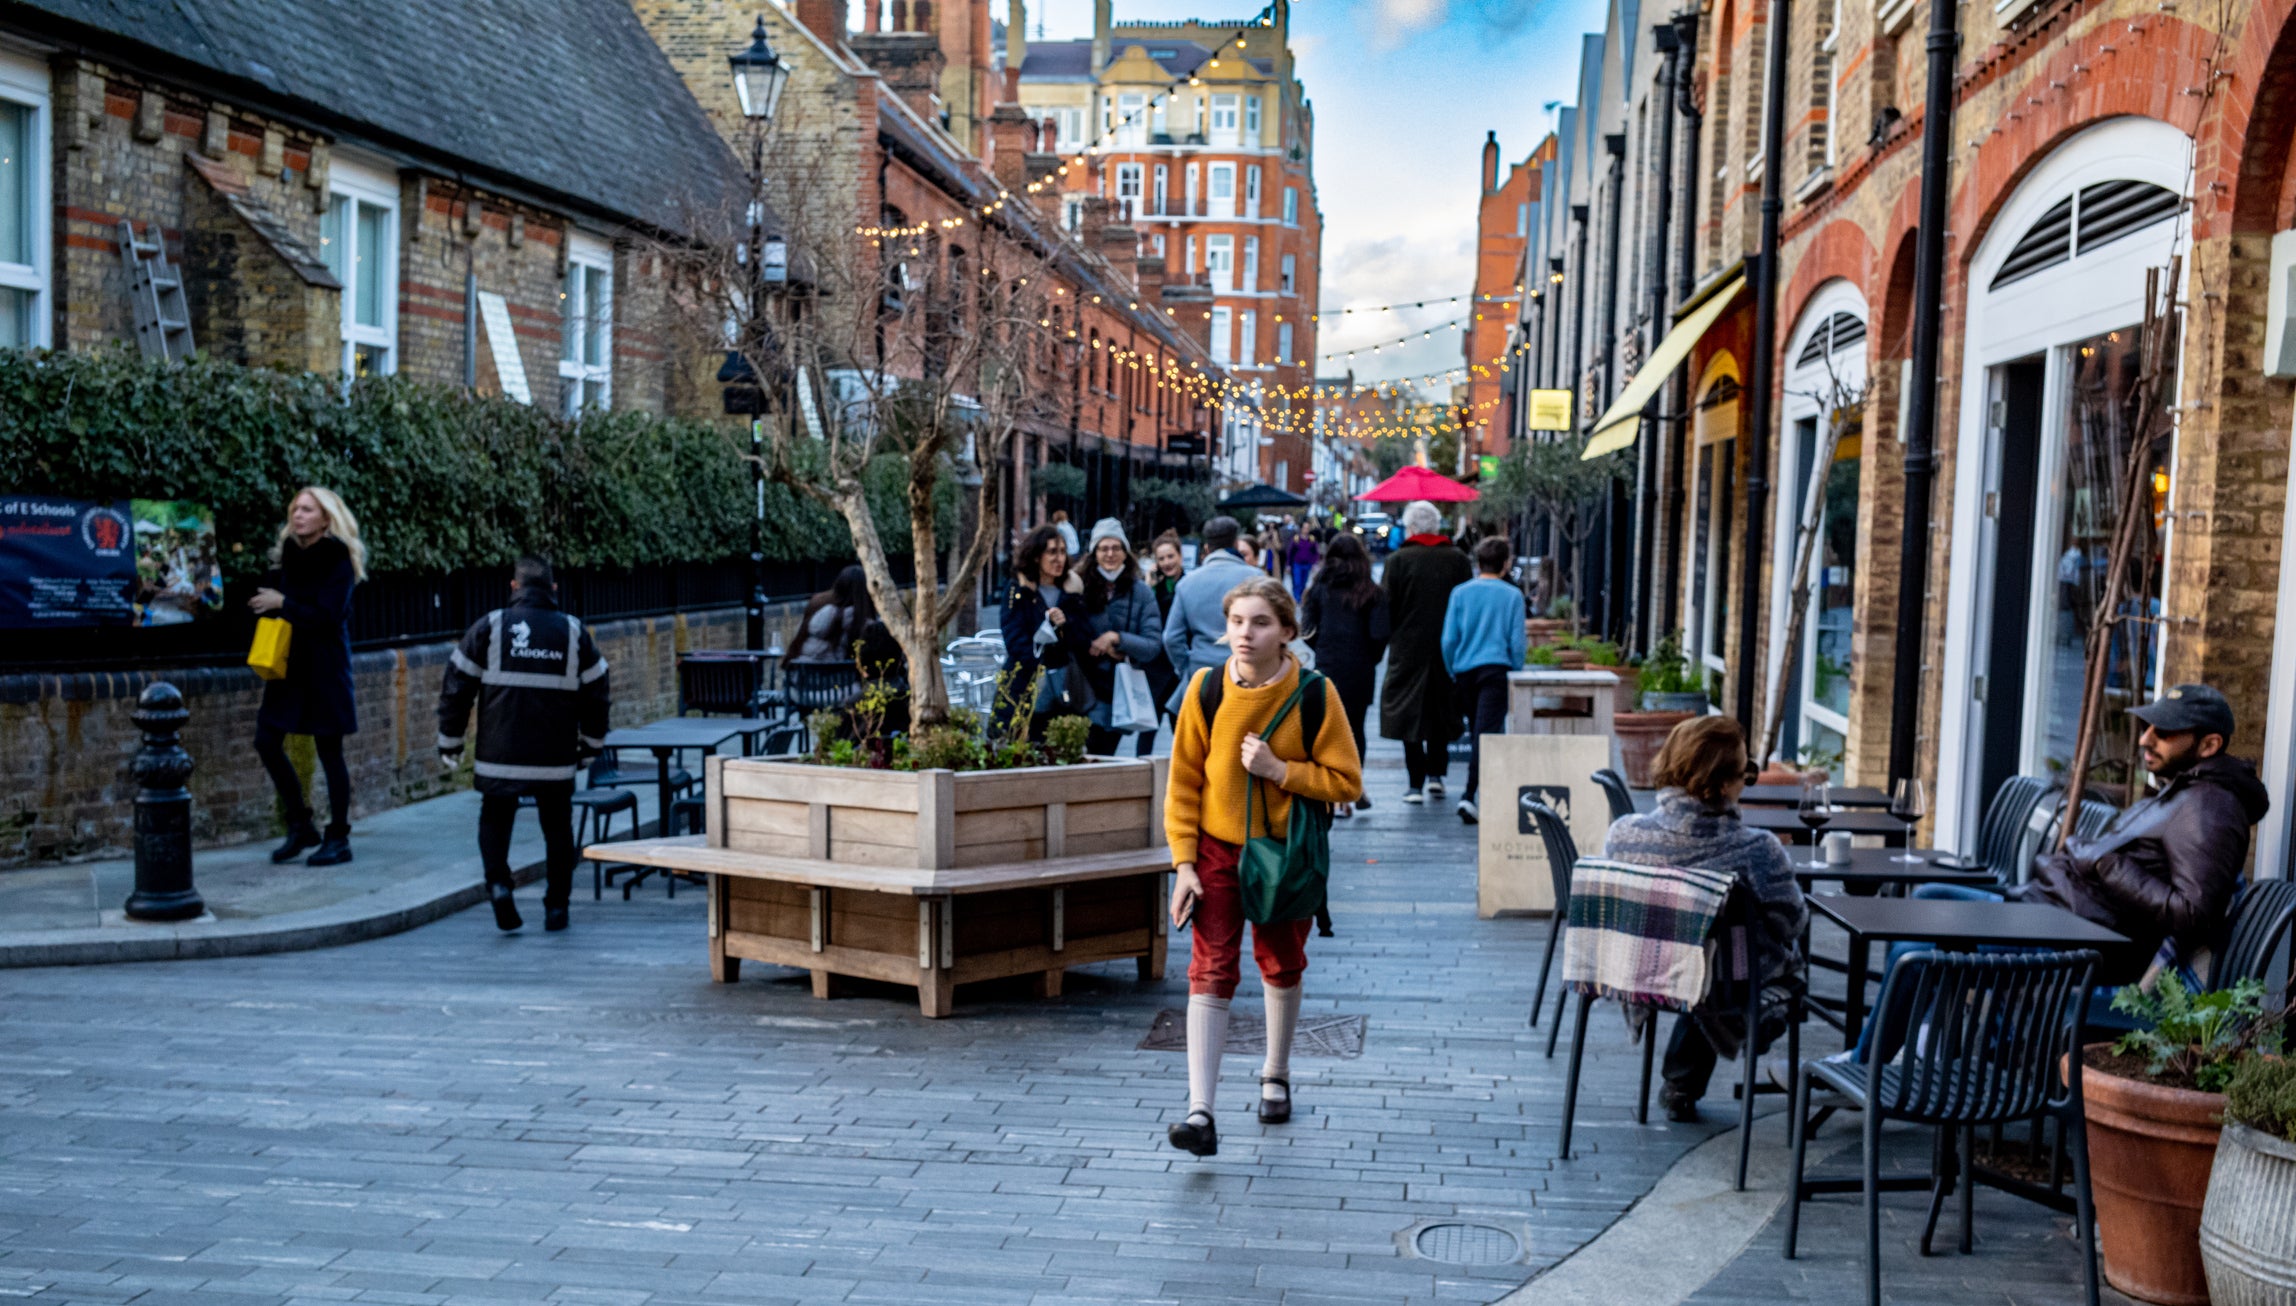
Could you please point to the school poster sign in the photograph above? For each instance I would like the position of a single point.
(79, 562)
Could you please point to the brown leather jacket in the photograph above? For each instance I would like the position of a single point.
(2165, 868)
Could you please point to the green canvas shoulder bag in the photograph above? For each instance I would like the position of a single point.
(1285, 879)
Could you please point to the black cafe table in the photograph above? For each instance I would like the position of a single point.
(1853, 796)
(1785, 823)
(1948, 922)
(1871, 869)
(667, 737)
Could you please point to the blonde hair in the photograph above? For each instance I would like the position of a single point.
(340, 523)
(1701, 756)
(1269, 590)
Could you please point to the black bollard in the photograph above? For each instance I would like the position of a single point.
(164, 890)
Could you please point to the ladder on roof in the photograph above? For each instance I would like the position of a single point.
(155, 288)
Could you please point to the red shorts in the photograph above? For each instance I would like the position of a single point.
(1279, 948)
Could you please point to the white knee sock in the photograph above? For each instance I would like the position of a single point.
(1207, 1039)
(1283, 1022)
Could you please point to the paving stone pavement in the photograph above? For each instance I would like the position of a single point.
(454, 1116)
(2024, 1254)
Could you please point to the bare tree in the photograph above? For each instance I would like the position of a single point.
(1843, 407)
(926, 342)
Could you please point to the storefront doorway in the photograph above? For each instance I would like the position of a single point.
(2057, 295)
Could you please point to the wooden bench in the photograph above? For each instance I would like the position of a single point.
(935, 928)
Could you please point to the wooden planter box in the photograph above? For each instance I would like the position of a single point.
(935, 878)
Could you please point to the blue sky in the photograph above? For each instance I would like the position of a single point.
(1403, 92)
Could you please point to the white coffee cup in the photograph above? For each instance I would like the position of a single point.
(1837, 846)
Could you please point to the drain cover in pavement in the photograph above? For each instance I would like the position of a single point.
(1467, 1244)
(1318, 1036)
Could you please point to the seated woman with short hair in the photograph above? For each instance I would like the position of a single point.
(1701, 771)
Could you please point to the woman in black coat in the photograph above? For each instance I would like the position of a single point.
(1416, 703)
(318, 561)
(1045, 628)
(1345, 617)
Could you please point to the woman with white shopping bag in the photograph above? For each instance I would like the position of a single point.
(1126, 631)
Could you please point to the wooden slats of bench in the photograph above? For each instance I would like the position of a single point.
(691, 853)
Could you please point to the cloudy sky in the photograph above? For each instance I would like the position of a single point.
(1403, 92)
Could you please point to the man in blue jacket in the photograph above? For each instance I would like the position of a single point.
(1196, 625)
(1483, 639)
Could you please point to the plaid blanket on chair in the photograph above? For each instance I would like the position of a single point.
(1643, 934)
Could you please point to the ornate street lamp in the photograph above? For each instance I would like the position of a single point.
(759, 76)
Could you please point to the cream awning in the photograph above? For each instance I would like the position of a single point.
(1617, 427)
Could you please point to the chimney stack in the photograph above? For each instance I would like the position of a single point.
(1103, 20)
(826, 19)
(1490, 162)
(1015, 45)
(1012, 138)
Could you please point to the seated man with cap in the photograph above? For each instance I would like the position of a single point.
(2165, 870)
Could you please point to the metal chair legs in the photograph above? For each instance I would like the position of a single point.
(1570, 1082)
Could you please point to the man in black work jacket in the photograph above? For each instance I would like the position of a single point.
(542, 699)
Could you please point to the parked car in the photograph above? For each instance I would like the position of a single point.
(1377, 530)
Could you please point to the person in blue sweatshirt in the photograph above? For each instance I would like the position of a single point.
(1484, 639)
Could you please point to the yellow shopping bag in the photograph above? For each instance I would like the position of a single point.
(268, 655)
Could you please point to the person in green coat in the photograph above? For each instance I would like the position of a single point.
(1417, 706)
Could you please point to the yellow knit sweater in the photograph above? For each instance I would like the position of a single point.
(1204, 794)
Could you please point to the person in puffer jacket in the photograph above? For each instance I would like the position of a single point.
(542, 697)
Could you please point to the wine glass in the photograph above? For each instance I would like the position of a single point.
(1816, 812)
(1909, 804)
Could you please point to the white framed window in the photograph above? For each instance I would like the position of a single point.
(1251, 280)
(1223, 120)
(24, 206)
(1222, 179)
(1252, 119)
(1282, 478)
(1291, 206)
(1072, 212)
(1191, 257)
(1067, 125)
(1220, 261)
(1247, 339)
(1128, 190)
(1192, 190)
(360, 239)
(1222, 327)
(1160, 118)
(1252, 191)
(1156, 242)
(1132, 118)
(1283, 343)
(1290, 276)
(1163, 189)
(586, 306)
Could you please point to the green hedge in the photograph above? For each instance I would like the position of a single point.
(440, 479)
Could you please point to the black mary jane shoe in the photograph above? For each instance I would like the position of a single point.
(1189, 1136)
(1272, 1111)
(506, 917)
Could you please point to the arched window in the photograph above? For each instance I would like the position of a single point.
(2083, 221)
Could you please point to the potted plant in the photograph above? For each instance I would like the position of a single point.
(2155, 1100)
(2247, 1241)
(1641, 734)
(1668, 682)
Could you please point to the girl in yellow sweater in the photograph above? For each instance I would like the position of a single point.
(1212, 763)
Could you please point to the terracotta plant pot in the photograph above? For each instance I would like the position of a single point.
(1775, 773)
(1544, 630)
(1570, 659)
(2150, 1152)
(1640, 735)
(2248, 1224)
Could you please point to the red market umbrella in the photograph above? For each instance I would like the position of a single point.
(1418, 483)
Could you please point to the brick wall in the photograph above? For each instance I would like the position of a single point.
(66, 742)
(122, 147)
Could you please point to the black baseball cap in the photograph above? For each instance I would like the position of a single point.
(2188, 707)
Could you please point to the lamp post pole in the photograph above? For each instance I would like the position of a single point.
(757, 419)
